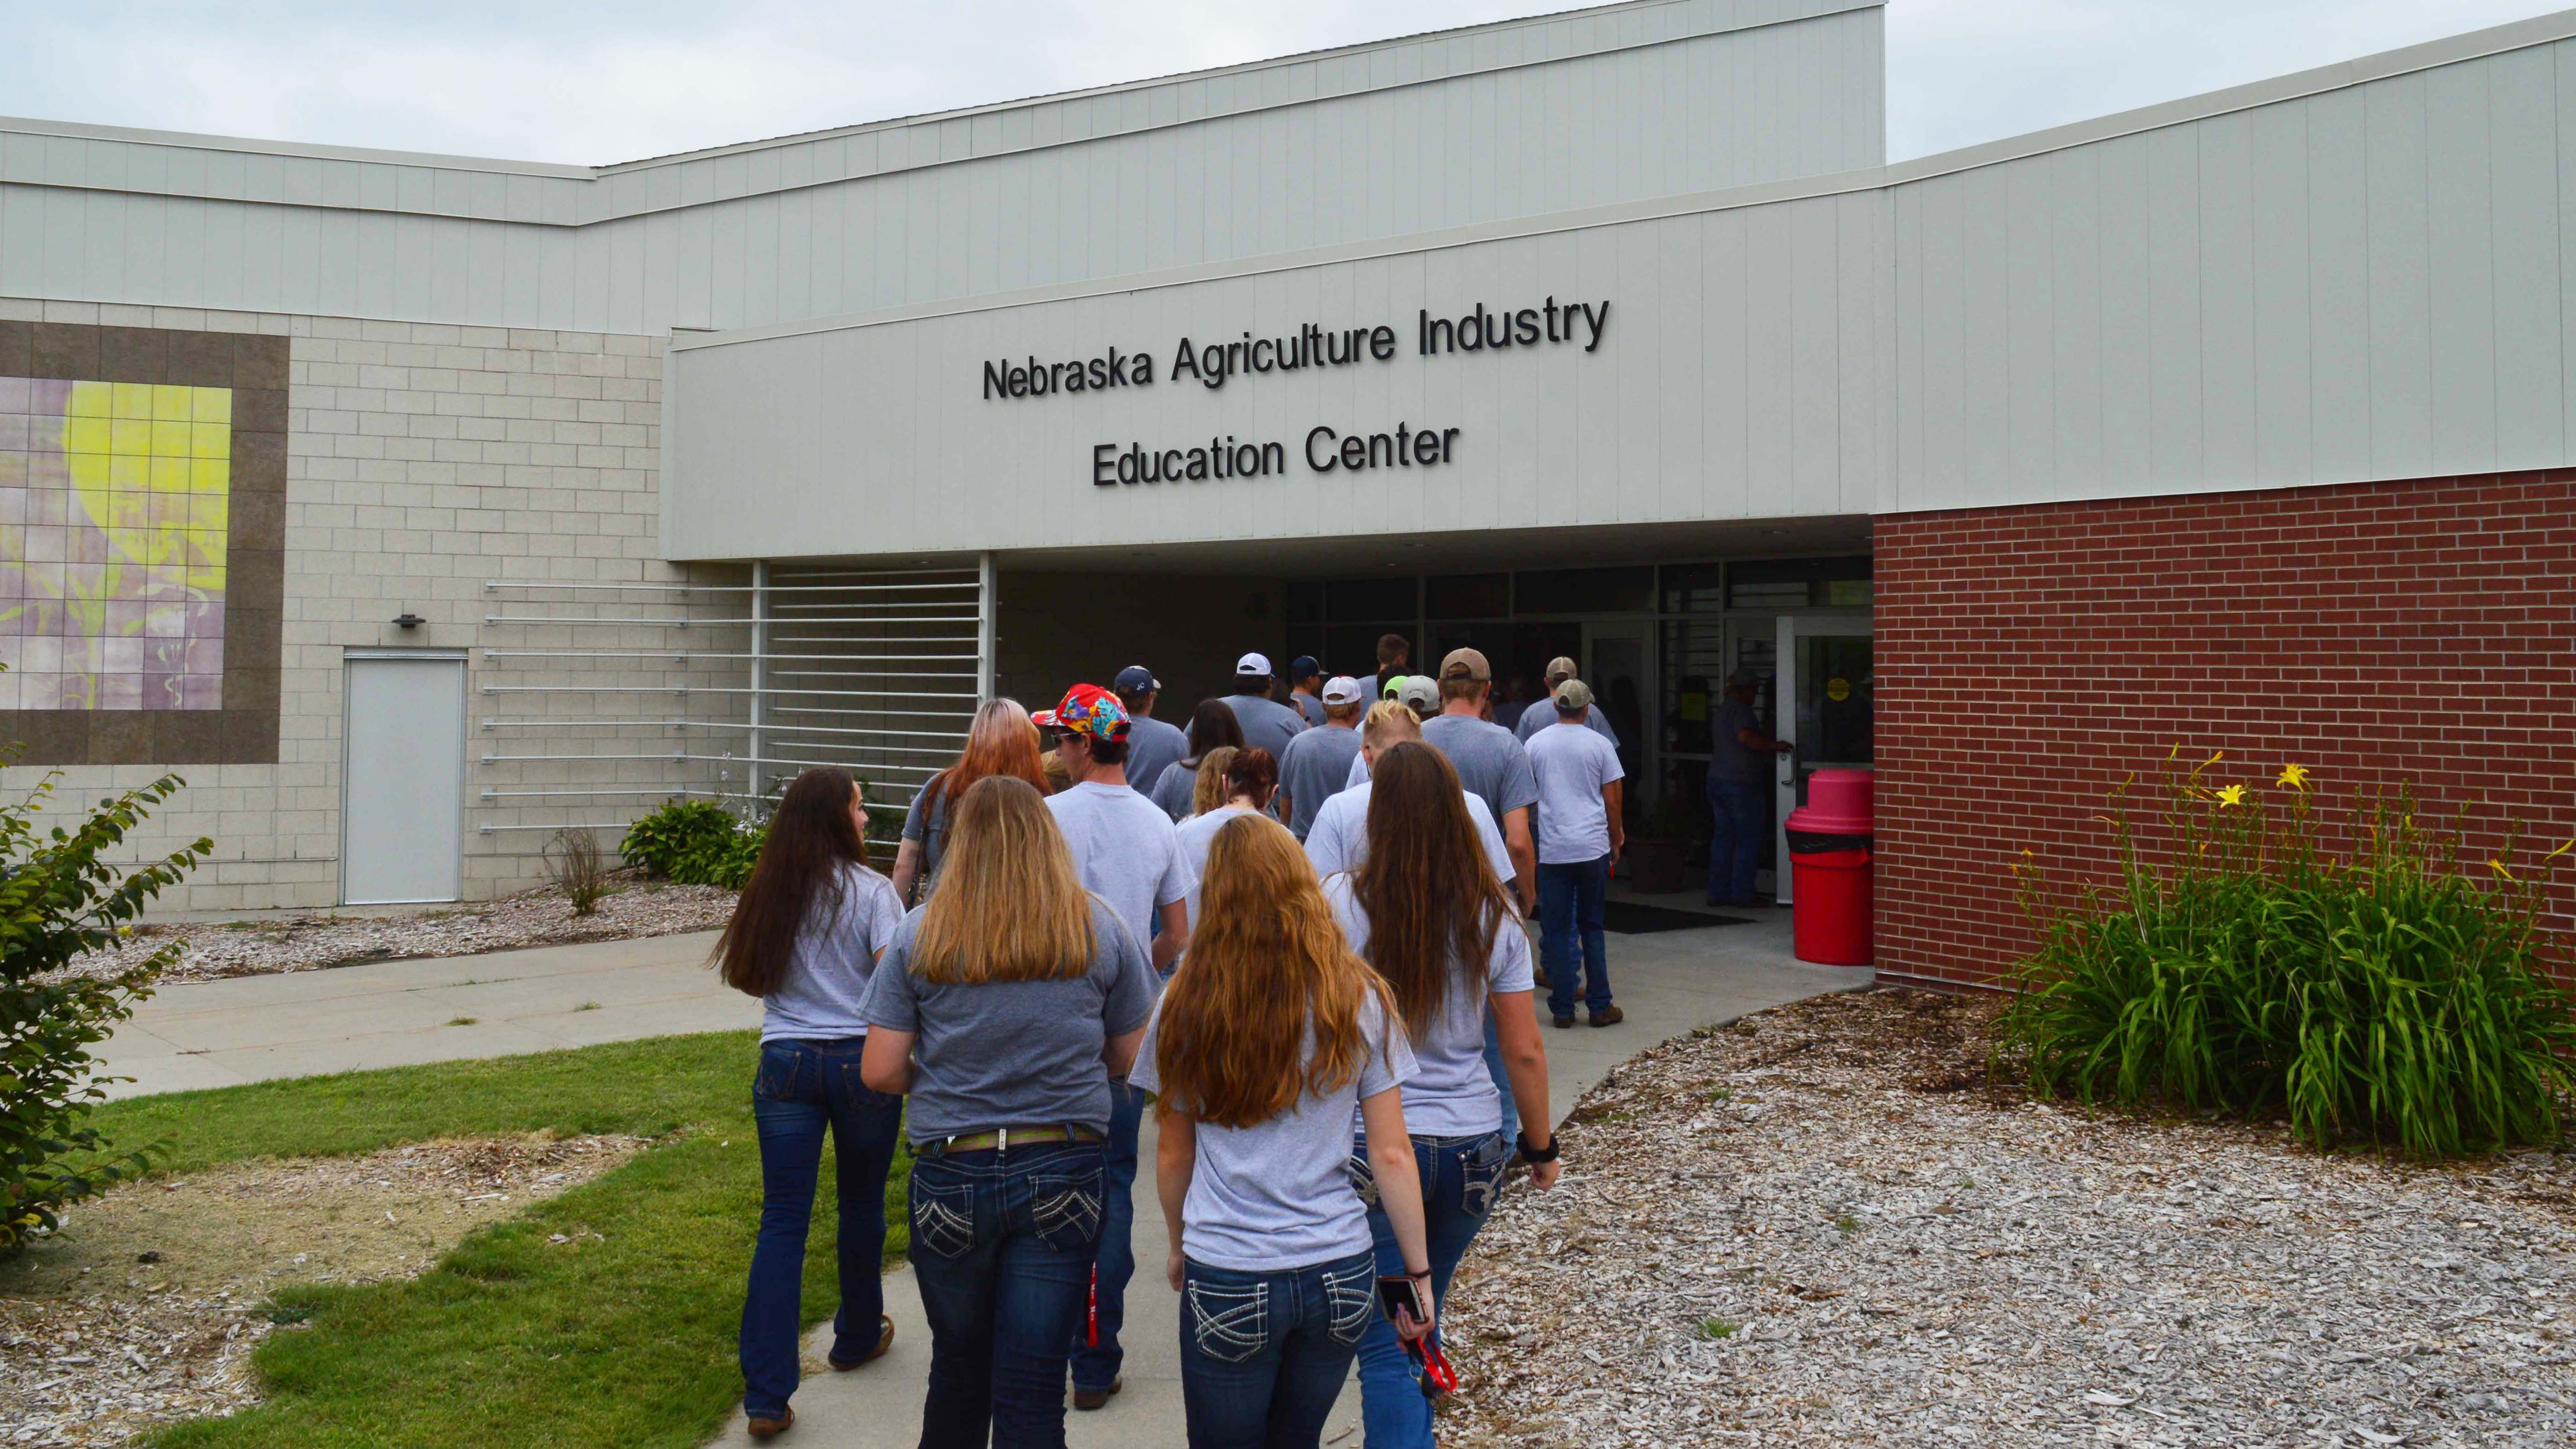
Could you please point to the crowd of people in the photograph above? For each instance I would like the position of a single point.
(1295, 927)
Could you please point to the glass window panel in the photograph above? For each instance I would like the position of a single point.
(1356, 601)
(1693, 588)
(1305, 601)
(1585, 591)
(1352, 648)
(1467, 596)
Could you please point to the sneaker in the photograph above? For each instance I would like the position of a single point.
(1563, 1022)
(1090, 1399)
(1539, 977)
(885, 1340)
(1607, 1016)
(764, 1427)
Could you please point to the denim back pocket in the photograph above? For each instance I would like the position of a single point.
(1350, 1299)
(1229, 1322)
(1480, 1175)
(775, 1081)
(1064, 1207)
(943, 1212)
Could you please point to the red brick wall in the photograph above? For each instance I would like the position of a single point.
(2029, 658)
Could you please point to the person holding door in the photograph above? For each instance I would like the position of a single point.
(1739, 792)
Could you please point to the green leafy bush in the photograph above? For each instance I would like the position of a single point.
(694, 842)
(60, 901)
(2376, 995)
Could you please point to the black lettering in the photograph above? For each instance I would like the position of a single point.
(1325, 463)
(1019, 381)
(1525, 326)
(1354, 451)
(1099, 479)
(1382, 343)
(1261, 363)
(1185, 362)
(1131, 465)
(1274, 458)
(1144, 370)
(1448, 445)
(1247, 460)
(1380, 443)
(1471, 330)
(1599, 317)
(996, 380)
(1170, 463)
(1213, 360)
(1403, 453)
(1426, 447)
(1551, 321)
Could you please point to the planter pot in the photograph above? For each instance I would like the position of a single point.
(1658, 867)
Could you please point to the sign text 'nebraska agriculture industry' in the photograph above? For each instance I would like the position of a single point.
(1211, 365)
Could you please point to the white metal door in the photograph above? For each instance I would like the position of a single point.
(1823, 704)
(402, 791)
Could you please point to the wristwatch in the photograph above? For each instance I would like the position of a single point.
(1536, 1155)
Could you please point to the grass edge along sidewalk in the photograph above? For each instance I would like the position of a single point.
(626, 1338)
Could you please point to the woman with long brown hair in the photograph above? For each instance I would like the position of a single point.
(804, 938)
(1270, 1038)
(1001, 741)
(1004, 1006)
(1212, 725)
(1427, 911)
(1249, 779)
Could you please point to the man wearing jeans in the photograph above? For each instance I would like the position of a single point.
(1739, 793)
(1579, 836)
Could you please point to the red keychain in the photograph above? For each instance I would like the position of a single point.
(1091, 1312)
(1437, 1377)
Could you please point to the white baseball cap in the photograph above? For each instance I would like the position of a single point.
(1342, 689)
(1253, 664)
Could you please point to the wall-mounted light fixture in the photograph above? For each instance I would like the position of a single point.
(408, 620)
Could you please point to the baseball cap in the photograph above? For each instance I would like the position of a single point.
(1342, 689)
(1304, 665)
(1465, 664)
(1087, 709)
(1136, 679)
(1572, 696)
(1252, 664)
(1394, 682)
(1560, 668)
(1420, 693)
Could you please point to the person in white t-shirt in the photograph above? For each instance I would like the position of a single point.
(1124, 851)
(1271, 1039)
(1579, 837)
(1428, 912)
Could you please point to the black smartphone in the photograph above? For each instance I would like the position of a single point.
(1399, 1293)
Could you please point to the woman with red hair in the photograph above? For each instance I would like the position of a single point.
(1001, 741)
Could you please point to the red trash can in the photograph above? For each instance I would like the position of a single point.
(1829, 870)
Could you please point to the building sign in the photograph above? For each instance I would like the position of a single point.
(1325, 449)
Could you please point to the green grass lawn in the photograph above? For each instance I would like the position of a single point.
(626, 1339)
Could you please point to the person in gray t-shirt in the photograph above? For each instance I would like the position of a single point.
(1318, 761)
(1151, 744)
(1267, 724)
(1543, 713)
(1489, 761)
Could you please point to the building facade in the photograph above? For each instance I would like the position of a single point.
(2240, 421)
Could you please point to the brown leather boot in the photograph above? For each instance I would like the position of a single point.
(1609, 1016)
(885, 1340)
(762, 1428)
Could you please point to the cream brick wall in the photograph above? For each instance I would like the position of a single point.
(424, 461)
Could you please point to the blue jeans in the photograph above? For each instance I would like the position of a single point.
(1460, 1176)
(803, 1088)
(1263, 1355)
(1741, 812)
(1095, 1365)
(1569, 907)
(1002, 1244)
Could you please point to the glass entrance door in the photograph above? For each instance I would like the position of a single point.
(1618, 660)
(1826, 699)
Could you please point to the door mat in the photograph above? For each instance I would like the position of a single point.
(1631, 918)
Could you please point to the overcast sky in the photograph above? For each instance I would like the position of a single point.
(597, 83)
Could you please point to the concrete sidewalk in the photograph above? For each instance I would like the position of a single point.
(397, 1013)
(1669, 983)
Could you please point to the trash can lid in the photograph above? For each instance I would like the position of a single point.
(1838, 803)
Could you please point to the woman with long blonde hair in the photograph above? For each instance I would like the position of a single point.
(1004, 1006)
(1001, 741)
(805, 937)
(1270, 1038)
(1426, 909)
(1207, 788)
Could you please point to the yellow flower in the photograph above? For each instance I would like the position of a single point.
(2497, 866)
(2175, 753)
(2294, 776)
(2230, 795)
(2561, 850)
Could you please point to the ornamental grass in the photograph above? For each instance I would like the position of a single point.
(2378, 994)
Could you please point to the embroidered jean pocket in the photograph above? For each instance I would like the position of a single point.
(775, 1081)
(1480, 1173)
(1363, 1178)
(1350, 1299)
(1065, 1209)
(1230, 1322)
(943, 1217)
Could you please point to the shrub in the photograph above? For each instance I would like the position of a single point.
(576, 866)
(2378, 995)
(60, 901)
(693, 842)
